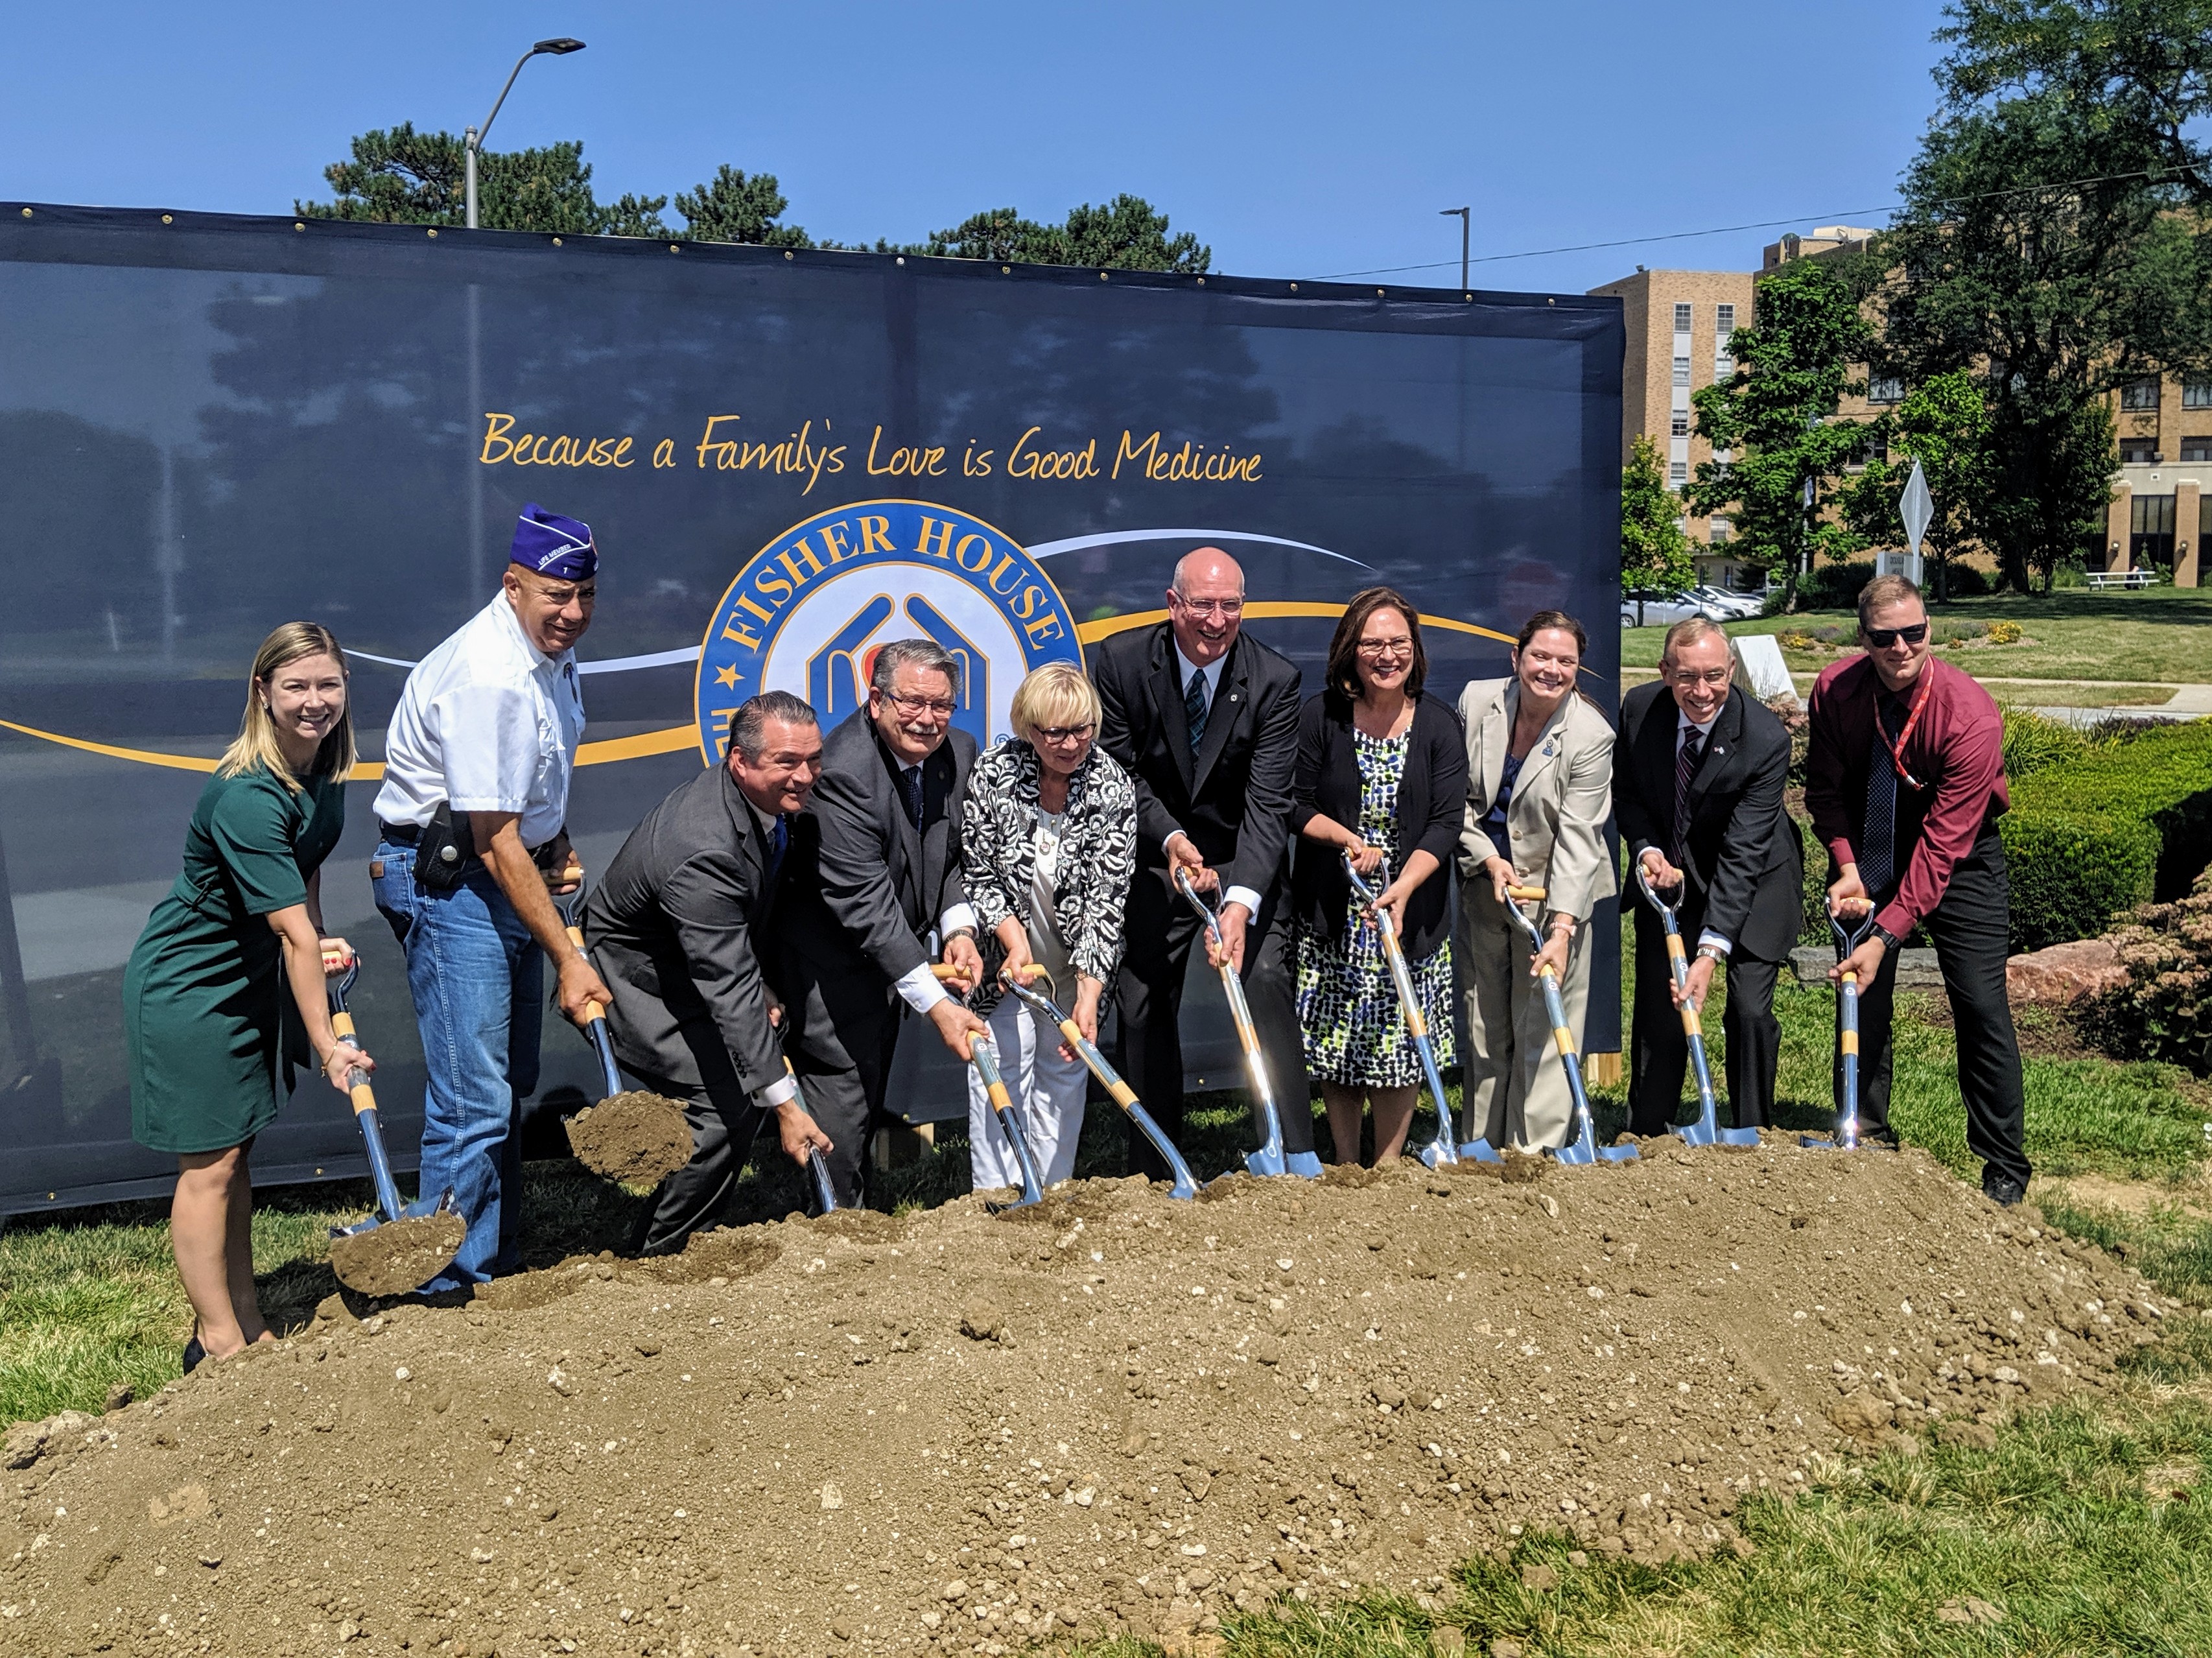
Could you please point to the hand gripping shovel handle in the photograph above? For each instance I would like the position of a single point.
(1848, 939)
(817, 1165)
(1706, 1131)
(595, 1016)
(1268, 1160)
(364, 1100)
(1002, 1106)
(1444, 1149)
(1582, 1146)
(1046, 1006)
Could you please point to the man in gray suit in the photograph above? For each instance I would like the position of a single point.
(873, 890)
(676, 926)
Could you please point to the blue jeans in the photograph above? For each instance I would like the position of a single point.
(477, 980)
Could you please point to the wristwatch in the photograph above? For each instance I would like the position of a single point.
(1888, 939)
(1711, 952)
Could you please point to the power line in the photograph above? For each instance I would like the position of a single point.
(1729, 229)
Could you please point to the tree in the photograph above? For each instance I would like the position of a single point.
(1654, 550)
(731, 207)
(2056, 240)
(1774, 420)
(1945, 426)
(1126, 235)
(400, 176)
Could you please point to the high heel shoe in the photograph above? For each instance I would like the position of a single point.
(193, 1353)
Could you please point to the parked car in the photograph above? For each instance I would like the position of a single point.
(1735, 605)
(1652, 607)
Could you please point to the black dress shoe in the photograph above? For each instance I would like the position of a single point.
(193, 1354)
(2004, 1192)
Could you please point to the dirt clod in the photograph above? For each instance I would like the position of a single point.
(811, 1426)
(634, 1138)
(395, 1257)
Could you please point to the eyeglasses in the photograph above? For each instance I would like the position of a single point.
(1224, 607)
(1716, 676)
(1881, 638)
(914, 707)
(1401, 646)
(1056, 735)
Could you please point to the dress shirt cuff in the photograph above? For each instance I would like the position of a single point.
(1171, 835)
(1711, 940)
(783, 1090)
(1243, 895)
(959, 917)
(921, 989)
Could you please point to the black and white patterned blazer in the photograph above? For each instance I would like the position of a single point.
(1097, 857)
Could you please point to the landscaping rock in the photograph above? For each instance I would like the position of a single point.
(2065, 973)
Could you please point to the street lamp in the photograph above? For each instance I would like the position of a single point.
(473, 139)
(1466, 217)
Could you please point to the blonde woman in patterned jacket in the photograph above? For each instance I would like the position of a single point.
(1048, 848)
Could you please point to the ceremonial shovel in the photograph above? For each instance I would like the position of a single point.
(1002, 1107)
(1848, 939)
(1270, 1158)
(650, 1136)
(1706, 1131)
(1444, 1148)
(1186, 1183)
(1582, 1146)
(419, 1239)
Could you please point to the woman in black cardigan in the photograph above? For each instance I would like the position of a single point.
(1382, 773)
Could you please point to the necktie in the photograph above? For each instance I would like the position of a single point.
(1878, 842)
(1685, 767)
(1193, 707)
(778, 842)
(910, 786)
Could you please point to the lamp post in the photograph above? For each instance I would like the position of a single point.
(473, 141)
(1466, 217)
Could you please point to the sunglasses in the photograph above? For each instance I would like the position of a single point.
(1881, 638)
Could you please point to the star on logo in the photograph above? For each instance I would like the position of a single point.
(727, 677)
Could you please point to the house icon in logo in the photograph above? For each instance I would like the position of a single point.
(837, 675)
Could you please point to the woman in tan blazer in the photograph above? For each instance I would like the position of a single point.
(1539, 789)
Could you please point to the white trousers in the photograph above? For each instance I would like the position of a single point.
(1048, 1094)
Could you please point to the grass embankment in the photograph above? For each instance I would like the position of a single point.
(2086, 1530)
(2161, 634)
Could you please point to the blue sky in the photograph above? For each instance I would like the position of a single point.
(1299, 140)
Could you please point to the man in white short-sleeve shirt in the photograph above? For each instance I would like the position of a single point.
(471, 819)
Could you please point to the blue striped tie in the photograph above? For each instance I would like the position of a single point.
(1193, 707)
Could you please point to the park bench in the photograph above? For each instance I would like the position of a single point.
(2102, 579)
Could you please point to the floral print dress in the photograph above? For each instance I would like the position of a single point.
(1355, 1031)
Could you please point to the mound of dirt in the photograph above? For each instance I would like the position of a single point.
(395, 1257)
(952, 1432)
(635, 1138)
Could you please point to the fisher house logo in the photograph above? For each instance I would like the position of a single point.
(809, 613)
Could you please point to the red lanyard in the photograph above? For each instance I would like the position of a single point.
(1919, 707)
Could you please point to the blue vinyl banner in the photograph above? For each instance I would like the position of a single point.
(210, 425)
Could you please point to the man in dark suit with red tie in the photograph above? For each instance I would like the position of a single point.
(1698, 777)
(1204, 719)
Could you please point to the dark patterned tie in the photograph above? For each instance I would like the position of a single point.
(1878, 843)
(1193, 707)
(1685, 767)
(910, 786)
(778, 842)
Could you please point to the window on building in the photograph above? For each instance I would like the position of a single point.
(1677, 473)
(2196, 393)
(1681, 319)
(2141, 392)
(1679, 426)
(1724, 319)
(1681, 371)
(1885, 388)
(1722, 529)
(2196, 449)
(2138, 451)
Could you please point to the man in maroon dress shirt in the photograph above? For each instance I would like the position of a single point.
(1906, 781)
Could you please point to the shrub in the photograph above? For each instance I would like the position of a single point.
(2070, 573)
(1965, 581)
(2115, 826)
(2004, 633)
(2032, 742)
(2164, 1011)
(1835, 587)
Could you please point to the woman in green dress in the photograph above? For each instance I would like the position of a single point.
(213, 1031)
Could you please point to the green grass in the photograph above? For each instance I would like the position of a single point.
(2160, 634)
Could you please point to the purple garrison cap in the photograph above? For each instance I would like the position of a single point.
(552, 545)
